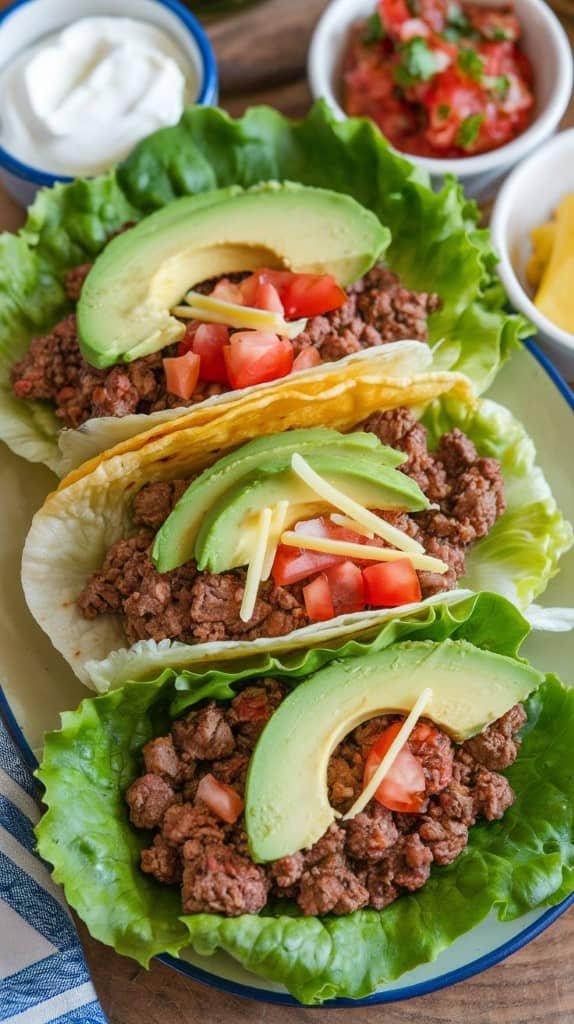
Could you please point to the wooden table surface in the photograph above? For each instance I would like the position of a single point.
(262, 54)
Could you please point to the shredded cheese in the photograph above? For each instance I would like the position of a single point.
(276, 529)
(216, 311)
(351, 524)
(255, 568)
(352, 508)
(391, 754)
(347, 549)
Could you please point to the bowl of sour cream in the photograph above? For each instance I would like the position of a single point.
(83, 81)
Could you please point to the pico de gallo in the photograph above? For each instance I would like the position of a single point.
(440, 78)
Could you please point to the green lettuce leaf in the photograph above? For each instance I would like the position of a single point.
(436, 243)
(524, 861)
(520, 555)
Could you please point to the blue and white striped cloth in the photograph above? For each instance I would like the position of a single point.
(43, 974)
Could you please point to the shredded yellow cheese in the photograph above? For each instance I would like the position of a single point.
(276, 529)
(216, 311)
(255, 568)
(351, 524)
(391, 754)
(352, 508)
(347, 549)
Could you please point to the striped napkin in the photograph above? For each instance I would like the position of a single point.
(43, 974)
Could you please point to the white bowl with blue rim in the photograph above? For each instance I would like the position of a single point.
(26, 22)
(527, 199)
(544, 41)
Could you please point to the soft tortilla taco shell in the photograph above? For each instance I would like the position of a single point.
(91, 510)
(83, 449)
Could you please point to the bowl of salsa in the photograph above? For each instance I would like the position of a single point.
(458, 86)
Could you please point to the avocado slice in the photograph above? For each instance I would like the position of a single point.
(124, 309)
(228, 533)
(286, 800)
(175, 542)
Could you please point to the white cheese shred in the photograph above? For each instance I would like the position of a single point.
(255, 568)
(347, 549)
(278, 518)
(351, 524)
(392, 753)
(217, 311)
(352, 508)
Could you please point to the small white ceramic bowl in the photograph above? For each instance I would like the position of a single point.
(528, 198)
(545, 42)
(26, 21)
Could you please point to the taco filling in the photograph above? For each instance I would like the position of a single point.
(299, 528)
(192, 797)
(214, 358)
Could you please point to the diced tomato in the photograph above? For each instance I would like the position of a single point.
(291, 565)
(403, 788)
(208, 343)
(182, 374)
(318, 600)
(392, 14)
(254, 357)
(227, 291)
(267, 297)
(186, 343)
(388, 584)
(300, 294)
(311, 295)
(322, 526)
(223, 800)
(347, 588)
(307, 359)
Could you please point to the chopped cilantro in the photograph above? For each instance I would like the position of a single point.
(443, 111)
(418, 63)
(499, 85)
(457, 23)
(471, 63)
(499, 33)
(374, 30)
(468, 131)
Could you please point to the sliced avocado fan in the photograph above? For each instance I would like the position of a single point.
(216, 520)
(124, 308)
(286, 802)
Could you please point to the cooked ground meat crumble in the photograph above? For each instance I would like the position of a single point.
(369, 860)
(194, 607)
(379, 310)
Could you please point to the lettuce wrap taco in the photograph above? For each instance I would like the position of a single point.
(226, 255)
(197, 547)
(329, 829)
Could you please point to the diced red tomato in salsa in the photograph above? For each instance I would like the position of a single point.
(447, 81)
(299, 295)
(403, 788)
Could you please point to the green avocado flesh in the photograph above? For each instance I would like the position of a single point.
(286, 802)
(124, 308)
(216, 519)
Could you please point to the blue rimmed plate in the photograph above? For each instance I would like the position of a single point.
(38, 684)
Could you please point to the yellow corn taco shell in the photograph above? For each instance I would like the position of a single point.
(78, 523)
(83, 449)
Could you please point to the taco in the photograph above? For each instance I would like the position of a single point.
(97, 292)
(329, 830)
(178, 553)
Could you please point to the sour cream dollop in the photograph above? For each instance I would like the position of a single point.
(80, 99)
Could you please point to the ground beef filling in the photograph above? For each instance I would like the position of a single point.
(369, 860)
(193, 606)
(379, 310)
